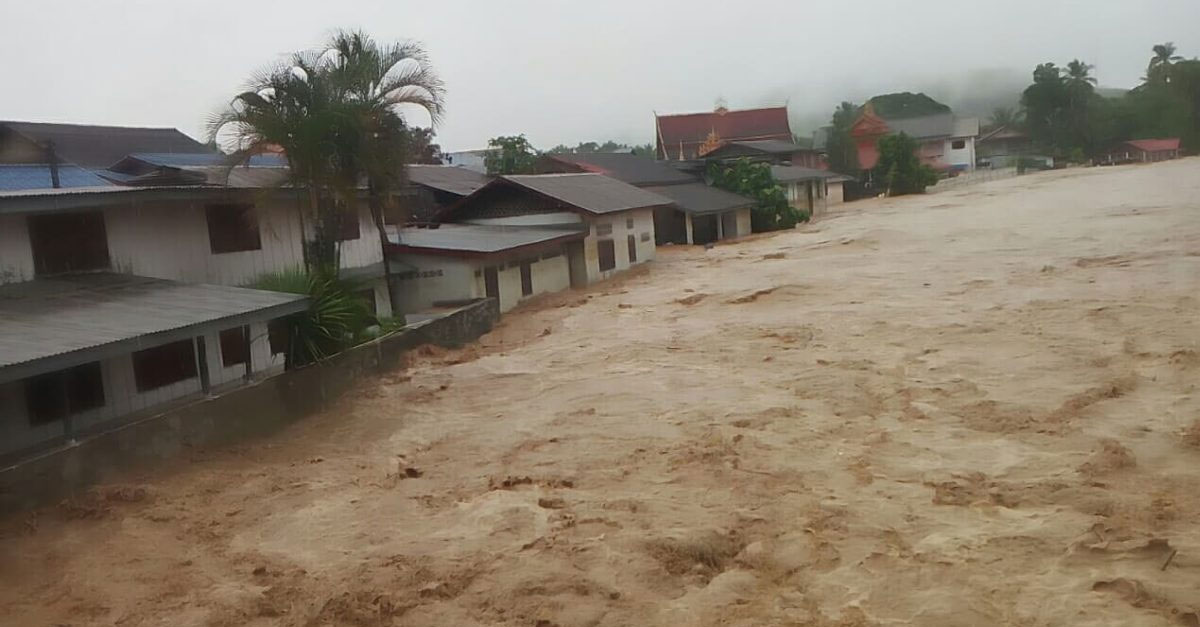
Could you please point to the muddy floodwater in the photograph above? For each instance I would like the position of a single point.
(979, 407)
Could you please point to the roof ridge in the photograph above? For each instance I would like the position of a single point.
(81, 125)
(727, 111)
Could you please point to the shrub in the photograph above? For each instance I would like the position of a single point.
(336, 319)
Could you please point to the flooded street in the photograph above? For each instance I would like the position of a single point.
(978, 407)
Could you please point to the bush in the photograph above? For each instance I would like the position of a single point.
(899, 170)
(771, 211)
(336, 319)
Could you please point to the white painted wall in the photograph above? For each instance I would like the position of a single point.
(743, 222)
(836, 193)
(643, 223)
(16, 257)
(438, 279)
(169, 240)
(121, 395)
(964, 156)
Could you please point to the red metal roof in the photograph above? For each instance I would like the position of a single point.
(1155, 145)
(689, 130)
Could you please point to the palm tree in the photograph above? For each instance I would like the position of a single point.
(1079, 73)
(378, 80)
(1160, 64)
(1006, 116)
(294, 109)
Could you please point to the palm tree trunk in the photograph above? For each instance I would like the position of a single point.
(376, 208)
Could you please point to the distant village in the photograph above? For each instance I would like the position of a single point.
(131, 259)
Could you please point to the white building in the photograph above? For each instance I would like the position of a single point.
(523, 235)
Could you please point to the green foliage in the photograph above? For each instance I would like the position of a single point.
(1068, 117)
(906, 105)
(510, 155)
(771, 211)
(646, 150)
(1006, 117)
(336, 318)
(840, 148)
(899, 169)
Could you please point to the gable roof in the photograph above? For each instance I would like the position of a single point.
(1155, 145)
(925, 127)
(772, 147)
(686, 132)
(593, 193)
(451, 179)
(94, 146)
(699, 199)
(792, 173)
(629, 168)
(1003, 132)
(476, 239)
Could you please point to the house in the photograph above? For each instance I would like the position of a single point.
(771, 150)
(692, 135)
(699, 213)
(89, 146)
(800, 170)
(1142, 151)
(809, 190)
(522, 235)
(1000, 147)
(433, 188)
(945, 141)
(123, 285)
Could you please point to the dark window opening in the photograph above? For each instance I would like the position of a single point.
(368, 297)
(232, 228)
(631, 242)
(645, 237)
(606, 252)
(235, 349)
(163, 365)
(56, 395)
(279, 333)
(68, 242)
(526, 279)
(629, 223)
(348, 227)
(604, 229)
(958, 144)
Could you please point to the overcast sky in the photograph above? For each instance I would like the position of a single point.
(566, 71)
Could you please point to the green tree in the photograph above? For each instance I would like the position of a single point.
(840, 149)
(771, 211)
(1005, 117)
(899, 169)
(510, 155)
(1159, 68)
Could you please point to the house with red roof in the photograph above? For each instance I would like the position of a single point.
(1142, 151)
(945, 141)
(685, 136)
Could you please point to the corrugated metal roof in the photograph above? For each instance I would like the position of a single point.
(1155, 145)
(37, 176)
(698, 198)
(78, 315)
(771, 146)
(690, 129)
(447, 178)
(966, 127)
(791, 173)
(629, 168)
(242, 177)
(179, 160)
(94, 146)
(924, 127)
(593, 193)
(471, 238)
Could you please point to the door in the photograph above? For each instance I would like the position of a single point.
(526, 278)
(631, 241)
(729, 224)
(491, 282)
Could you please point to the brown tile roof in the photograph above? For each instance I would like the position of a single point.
(686, 132)
(93, 146)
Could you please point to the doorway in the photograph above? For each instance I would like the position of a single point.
(491, 282)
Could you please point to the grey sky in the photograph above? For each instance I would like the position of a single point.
(564, 72)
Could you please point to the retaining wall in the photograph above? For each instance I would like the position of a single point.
(254, 410)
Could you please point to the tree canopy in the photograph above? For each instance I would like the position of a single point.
(771, 211)
(899, 169)
(510, 154)
(906, 105)
(841, 152)
(646, 150)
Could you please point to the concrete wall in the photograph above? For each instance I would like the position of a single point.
(249, 411)
(962, 158)
(743, 222)
(121, 396)
(836, 194)
(427, 279)
(643, 224)
(169, 240)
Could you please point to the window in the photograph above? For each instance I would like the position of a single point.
(235, 350)
(348, 224)
(604, 229)
(279, 332)
(232, 228)
(607, 253)
(646, 236)
(56, 395)
(68, 242)
(163, 365)
(631, 242)
(629, 223)
(958, 144)
(526, 279)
